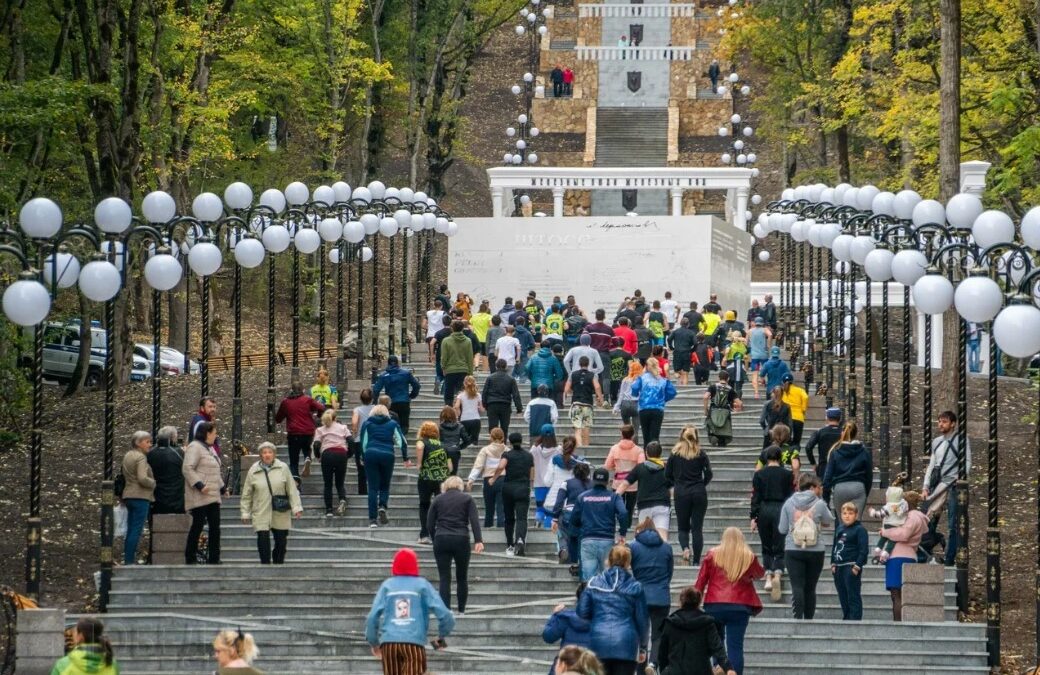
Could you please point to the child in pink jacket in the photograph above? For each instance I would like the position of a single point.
(907, 538)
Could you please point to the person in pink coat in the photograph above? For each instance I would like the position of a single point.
(907, 538)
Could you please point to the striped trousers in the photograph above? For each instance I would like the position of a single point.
(403, 658)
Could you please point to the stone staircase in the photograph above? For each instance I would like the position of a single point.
(636, 137)
(308, 615)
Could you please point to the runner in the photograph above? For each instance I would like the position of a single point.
(583, 388)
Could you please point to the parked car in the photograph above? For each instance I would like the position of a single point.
(171, 361)
(61, 351)
(141, 370)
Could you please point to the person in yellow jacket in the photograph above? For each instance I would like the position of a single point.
(480, 322)
(798, 399)
(92, 653)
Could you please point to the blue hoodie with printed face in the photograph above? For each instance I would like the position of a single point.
(401, 609)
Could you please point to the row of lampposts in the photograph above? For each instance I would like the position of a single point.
(335, 223)
(956, 255)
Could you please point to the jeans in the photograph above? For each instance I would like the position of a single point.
(974, 365)
(516, 499)
(690, 508)
(403, 410)
(498, 416)
(573, 538)
(136, 514)
(769, 535)
(298, 443)
(452, 386)
(359, 464)
(658, 614)
(446, 549)
(203, 515)
(732, 621)
(950, 554)
(379, 469)
(804, 567)
(848, 587)
(427, 489)
(263, 545)
(650, 424)
(494, 511)
(472, 428)
(540, 516)
(593, 556)
(333, 469)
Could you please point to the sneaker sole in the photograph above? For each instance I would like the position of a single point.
(383, 520)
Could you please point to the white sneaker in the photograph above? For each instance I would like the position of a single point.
(777, 592)
(510, 551)
(306, 468)
(424, 540)
(769, 582)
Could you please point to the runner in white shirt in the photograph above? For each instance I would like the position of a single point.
(670, 309)
(434, 322)
(508, 347)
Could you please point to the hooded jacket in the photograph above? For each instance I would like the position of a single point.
(773, 370)
(653, 392)
(543, 458)
(803, 501)
(379, 433)
(297, 412)
(596, 511)
(850, 462)
(716, 587)
(651, 481)
(401, 608)
(568, 628)
(487, 461)
(572, 361)
(624, 456)
(689, 640)
(615, 604)
(400, 385)
(454, 436)
(652, 565)
(456, 354)
(85, 659)
(556, 475)
(544, 368)
(539, 412)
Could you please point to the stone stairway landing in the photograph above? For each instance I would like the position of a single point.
(635, 137)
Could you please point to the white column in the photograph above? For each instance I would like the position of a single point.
(919, 334)
(496, 202)
(507, 201)
(731, 200)
(937, 340)
(973, 177)
(676, 194)
(557, 193)
(740, 217)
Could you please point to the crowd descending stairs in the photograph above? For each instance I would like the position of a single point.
(308, 615)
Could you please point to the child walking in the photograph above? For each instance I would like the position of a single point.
(848, 556)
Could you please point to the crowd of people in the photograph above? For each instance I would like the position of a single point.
(634, 365)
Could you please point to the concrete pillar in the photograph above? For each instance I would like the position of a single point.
(973, 177)
(496, 202)
(507, 201)
(937, 340)
(557, 193)
(40, 640)
(731, 200)
(676, 194)
(740, 217)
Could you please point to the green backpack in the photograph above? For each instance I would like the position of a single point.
(435, 463)
(656, 324)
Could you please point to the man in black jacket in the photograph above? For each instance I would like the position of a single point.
(500, 389)
(824, 439)
(681, 341)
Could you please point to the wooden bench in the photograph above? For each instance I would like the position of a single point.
(260, 359)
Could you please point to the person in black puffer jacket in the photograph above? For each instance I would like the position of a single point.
(454, 437)
(166, 460)
(690, 640)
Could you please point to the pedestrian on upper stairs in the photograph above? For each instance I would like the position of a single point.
(397, 624)
(584, 388)
(501, 390)
(780, 437)
(508, 349)
(469, 408)
(566, 626)
(626, 334)
(456, 359)
(358, 417)
(823, 439)
(624, 456)
(433, 323)
(760, 338)
(654, 392)
(444, 296)
(484, 468)
(203, 486)
(850, 470)
(774, 370)
(798, 399)
(652, 566)
(576, 660)
(235, 652)
(618, 360)
(585, 349)
(555, 475)
(527, 345)
(688, 471)
(568, 81)
(438, 341)
(480, 322)
(166, 460)
(516, 470)
(802, 519)
(91, 652)
(627, 404)
(556, 77)
(332, 439)
(380, 438)
(454, 437)
(754, 312)
(599, 333)
(615, 605)
(703, 359)
(495, 331)
(297, 410)
(543, 449)
(463, 305)
(452, 517)
(269, 496)
(690, 640)
(771, 487)
(595, 514)
(644, 340)
(907, 537)
(207, 412)
(543, 369)
(622, 44)
(653, 493)
(720, 400)
(774, 412)
(727, 581)
(401, 386)
(562, 504)
(540, 411)
(681, 341)
(769, 312)
(848, 558)
(138, 492)
(323, 392)
(434, 468)
(940, 479)
(713, 75)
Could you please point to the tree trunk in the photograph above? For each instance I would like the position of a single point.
(79, 374)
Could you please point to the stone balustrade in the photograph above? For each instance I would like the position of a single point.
(637, 11)
(589, 53)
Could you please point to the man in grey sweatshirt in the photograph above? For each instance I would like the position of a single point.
(802, 519)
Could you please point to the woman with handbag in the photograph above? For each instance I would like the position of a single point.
(269, 494)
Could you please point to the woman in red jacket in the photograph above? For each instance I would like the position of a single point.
(727, 580)
(297, 411)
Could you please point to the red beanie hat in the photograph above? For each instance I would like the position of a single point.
(406, 563)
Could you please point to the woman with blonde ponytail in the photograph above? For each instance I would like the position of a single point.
(234, 652)
(689, 472)
(727, 581)
(577, 661)
(653, 392)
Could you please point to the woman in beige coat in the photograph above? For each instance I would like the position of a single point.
(138, 493)
(203, 485)
(265, 480)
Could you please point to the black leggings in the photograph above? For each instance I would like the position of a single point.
(263, 545)
(359, 464)
(334, 469)
(769, 535)
(658, 613)
(427, 489)
(689, 509)
(516, 499)
(403, 409)
(650, 424)
(472, 428)
(804, 567)
(448, 548)
(617, 667)
(298, 443)
(498, 416)
(203, 515)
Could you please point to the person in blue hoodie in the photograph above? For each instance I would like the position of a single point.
(595, 514)
(652, 566)
(397, 623)
(380, 437)
(653, 391)
(567, 627)
(615, 604)
(401, 386)
(544, 369)
(848, 556)
(773, 370)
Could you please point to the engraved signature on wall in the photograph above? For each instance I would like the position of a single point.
(631, 224)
